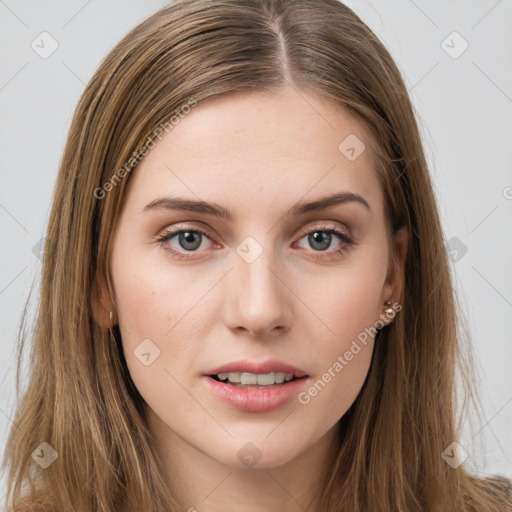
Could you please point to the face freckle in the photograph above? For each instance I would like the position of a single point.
(303, 304)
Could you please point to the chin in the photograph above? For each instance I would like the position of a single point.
(257, 455)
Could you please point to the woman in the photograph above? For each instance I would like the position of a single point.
(246, 300)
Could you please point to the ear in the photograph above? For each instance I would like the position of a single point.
(393, 286)
(102, 305)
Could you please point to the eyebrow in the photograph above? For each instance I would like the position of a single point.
(216, 210)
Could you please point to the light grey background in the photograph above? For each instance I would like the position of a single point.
(464, 104)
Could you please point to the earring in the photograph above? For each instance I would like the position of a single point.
(388, 310)
(111, 315)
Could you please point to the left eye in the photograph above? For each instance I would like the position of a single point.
(320, 239)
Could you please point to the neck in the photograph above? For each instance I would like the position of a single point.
(202, 483)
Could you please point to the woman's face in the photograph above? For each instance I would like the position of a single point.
(265, 288)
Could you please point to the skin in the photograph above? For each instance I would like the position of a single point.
(256, 155)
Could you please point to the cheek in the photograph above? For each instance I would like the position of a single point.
(150, 302)
(162, 305)
(332, 392)
(348, 306)
(152, 294)
(343, 357)
(141, 293)
(148, 306)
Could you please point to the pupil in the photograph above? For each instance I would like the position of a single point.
(321, 235)
(187, 237)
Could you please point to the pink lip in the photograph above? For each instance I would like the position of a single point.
(260, 368)
(255, 399)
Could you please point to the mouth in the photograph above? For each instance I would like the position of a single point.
(255, 392)
(255, 381)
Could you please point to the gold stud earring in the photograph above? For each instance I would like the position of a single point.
(111, 315)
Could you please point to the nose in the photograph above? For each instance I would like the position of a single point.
(258, 298)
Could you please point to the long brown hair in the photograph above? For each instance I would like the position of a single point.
(80, 399)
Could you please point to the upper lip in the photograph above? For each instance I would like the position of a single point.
(246, 366)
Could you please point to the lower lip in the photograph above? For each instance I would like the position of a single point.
(256, 399)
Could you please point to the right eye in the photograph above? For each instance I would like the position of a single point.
(189, 240)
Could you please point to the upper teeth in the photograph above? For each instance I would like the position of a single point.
(262, 379)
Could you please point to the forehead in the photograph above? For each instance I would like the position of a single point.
(256, 149)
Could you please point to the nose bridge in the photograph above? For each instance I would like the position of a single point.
(259, 301)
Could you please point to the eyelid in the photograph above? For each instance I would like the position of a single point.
(317, 225)
(324, 226)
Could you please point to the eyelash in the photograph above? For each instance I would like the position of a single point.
(348, 243)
